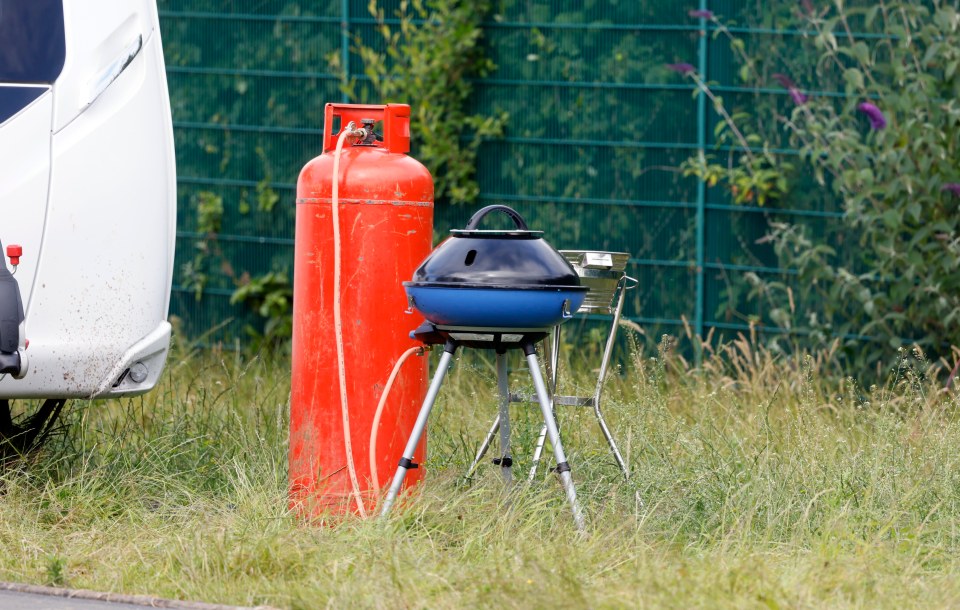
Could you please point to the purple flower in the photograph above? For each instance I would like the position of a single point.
(877, 120)
(682, 68)
(784, 81)
(701, 14)
(953, 187)
(807, 6)
(798, 98)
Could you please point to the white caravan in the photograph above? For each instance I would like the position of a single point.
(88, 193)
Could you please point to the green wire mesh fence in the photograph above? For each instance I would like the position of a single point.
(597, 128)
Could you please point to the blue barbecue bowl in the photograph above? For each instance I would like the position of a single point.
(496, 307)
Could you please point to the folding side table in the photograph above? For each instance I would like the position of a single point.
(604, 273)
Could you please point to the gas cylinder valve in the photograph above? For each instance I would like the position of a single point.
(356, 135)
(370, 138)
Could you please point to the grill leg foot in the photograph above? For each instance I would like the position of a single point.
(612, 443)
(554, 433)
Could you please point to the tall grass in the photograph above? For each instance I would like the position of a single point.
(757, 480)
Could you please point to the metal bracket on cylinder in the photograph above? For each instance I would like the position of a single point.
(395, 117)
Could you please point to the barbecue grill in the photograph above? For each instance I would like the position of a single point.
(498, 290)
(481, 278)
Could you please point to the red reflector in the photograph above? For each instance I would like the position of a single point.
(14, 252)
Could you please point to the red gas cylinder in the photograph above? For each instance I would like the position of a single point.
(386, 230)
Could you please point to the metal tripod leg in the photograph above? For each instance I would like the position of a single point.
(537, 453)
(607, 352)
(563, 468)
(505, 461)
(604, 365)
(406, 462)
(502, 423)
(553, 372)
(484, 446)
(504, 391)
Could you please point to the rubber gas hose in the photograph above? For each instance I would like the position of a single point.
(337, 315)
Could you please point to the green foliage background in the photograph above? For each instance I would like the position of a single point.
(560, 98)
(565, 110)
(885, 275)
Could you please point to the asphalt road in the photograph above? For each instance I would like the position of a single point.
(19, 596)
(14, 600)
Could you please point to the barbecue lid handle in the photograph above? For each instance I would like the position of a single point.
(513, 214)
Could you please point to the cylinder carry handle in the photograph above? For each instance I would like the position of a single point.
(395, 117)
(515, 216)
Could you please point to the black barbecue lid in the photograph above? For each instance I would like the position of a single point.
(515, 258)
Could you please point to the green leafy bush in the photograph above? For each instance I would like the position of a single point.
(888, 147)
(426, 60)
(425, 57)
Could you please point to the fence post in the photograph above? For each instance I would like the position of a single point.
(701, 187)
(345, 44)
